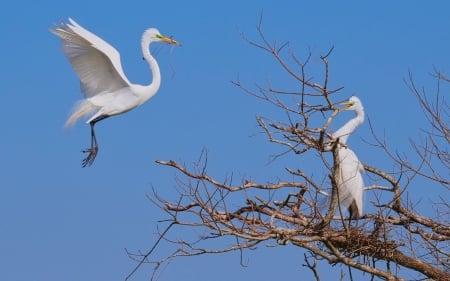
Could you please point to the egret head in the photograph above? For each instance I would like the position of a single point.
(353, 103)
(153, 35)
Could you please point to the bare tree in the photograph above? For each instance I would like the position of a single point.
(392, 241)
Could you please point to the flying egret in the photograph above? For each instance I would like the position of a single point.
(107, 91)
(349, 181)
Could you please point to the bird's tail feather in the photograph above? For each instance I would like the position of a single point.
(80, 110)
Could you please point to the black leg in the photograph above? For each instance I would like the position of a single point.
(92, 150)
(353, 213)
(94, 146)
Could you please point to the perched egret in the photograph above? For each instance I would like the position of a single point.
(350, 182)
(106, 89)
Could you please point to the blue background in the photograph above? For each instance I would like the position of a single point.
(61, 222)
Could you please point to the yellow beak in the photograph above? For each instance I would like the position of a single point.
(169, 41)
(347, 104)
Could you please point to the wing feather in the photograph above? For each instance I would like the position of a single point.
(350, 181)
(96, 63)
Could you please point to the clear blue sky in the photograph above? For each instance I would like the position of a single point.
(59, 221)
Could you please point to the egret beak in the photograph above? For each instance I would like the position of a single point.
(347, 104)
(169, 41)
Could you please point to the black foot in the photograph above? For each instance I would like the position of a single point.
(91, 156)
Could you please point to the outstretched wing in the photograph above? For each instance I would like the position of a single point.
(95, 61)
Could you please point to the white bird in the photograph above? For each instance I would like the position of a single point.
(106, 89)
(350, 182)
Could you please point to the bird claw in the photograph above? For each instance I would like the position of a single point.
(91, 156)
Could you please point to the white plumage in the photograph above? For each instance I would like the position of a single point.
(349, 181)
(106, 89)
